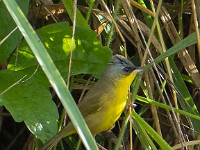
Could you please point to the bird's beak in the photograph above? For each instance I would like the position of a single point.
(139, 69)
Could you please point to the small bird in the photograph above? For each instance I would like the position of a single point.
(103, 104)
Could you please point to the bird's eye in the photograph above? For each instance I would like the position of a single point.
(127, 69)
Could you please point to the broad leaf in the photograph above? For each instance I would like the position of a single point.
(30, 100)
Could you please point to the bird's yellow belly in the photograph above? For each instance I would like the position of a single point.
(114, 115)
(114, 102)
(105, 118)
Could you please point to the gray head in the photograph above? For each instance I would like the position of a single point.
(120, 66)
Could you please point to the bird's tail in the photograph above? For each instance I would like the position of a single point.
(66, 131)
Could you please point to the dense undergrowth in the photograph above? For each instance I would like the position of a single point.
(162, 36)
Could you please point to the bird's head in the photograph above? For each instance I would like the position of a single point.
(120, 67)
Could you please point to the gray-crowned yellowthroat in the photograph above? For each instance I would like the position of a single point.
(103, 104)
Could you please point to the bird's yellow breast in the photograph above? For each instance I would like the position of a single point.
(115, 102)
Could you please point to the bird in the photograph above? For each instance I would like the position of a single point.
(103, 104)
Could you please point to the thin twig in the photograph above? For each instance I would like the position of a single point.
(6, 90)
(73, 42)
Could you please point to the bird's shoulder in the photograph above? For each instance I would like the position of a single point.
(91, 103)
(97, 97)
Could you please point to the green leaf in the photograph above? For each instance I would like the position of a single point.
(184, 97)
(50, 69)
(167, 107)
(8, 25)
(189, 40)
(30, 101)
(162, 143)
(89, 56)
(80, 20)
(146, 141)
